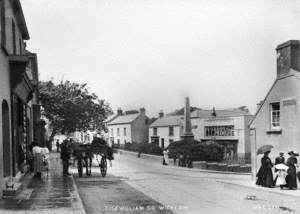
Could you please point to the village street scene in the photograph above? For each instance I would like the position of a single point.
(149, 106)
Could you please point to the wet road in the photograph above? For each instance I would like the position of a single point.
(184, 191)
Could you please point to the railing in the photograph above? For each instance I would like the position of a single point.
(239, 160)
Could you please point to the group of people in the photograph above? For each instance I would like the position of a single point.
(286, 172)
(184, 160)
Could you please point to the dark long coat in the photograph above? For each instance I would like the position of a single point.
(265, 175)
(291, 178)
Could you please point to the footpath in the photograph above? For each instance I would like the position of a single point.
(230, 178)
(52, 194)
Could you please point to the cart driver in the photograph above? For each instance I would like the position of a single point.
(65, 154)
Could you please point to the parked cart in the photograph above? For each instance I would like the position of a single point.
(84, 154)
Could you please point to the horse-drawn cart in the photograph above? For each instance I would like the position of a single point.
(85, 153)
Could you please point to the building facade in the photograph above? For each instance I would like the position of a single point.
(128, 128)
(277, 120)
(165, 130)
(228, 128)
(18, 93)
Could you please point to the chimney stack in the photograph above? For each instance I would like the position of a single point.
(119, 111)
(288, 57)
(160, 114)
(143, 111)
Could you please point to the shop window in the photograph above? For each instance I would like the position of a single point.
(213, 131)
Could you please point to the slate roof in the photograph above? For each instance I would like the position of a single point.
(110, 118)
(167, 121)
(219, 113)
(124, 119)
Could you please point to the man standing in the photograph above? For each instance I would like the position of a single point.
(57, 145)
(65, 156)
(280, 159)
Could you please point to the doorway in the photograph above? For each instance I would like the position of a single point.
(6, 138)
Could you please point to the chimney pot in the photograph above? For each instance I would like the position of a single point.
(143, 111)
(161, 114)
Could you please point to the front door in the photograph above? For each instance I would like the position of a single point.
(5, 138)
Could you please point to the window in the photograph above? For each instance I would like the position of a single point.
(124, 131)
(118, 132)
(14, 37)
(212, 131)
(3, 24)
(155, 131)
(275, 115)
(20, 46)
(112, 131)
(171, 131)
(171, 141)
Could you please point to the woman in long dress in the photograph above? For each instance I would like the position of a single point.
(265, 175)
(291, 178)
(166, 157)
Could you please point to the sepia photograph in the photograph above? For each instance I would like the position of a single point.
(150, 106)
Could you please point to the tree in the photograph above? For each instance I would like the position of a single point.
(70, 106)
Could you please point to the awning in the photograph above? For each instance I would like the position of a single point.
(20, 83)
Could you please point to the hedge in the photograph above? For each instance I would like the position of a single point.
(147, 148)
(212, 152)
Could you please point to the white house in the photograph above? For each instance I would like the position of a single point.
(131, 127)
(165, 130)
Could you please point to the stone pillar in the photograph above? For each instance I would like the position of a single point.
(187, 126)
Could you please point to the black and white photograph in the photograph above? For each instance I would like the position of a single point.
(150, 106)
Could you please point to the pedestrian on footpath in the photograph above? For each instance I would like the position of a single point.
(291, 178)
(181, 159)
(174, 159)
(280, 178)
(57, 145)
(166, 157)
(265, 175)
(279, 160)
(65, 155)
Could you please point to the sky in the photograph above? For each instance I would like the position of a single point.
(154, 53)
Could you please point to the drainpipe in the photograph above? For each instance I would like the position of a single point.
(255, 155)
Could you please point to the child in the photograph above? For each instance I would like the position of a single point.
(280, 181)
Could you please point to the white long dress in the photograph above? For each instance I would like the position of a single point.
(166, 156)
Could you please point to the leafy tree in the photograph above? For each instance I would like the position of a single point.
(70, 106)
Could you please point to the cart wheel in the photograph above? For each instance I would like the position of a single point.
(103, 167)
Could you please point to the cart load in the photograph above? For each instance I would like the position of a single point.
(85, 153)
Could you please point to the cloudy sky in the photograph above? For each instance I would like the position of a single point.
(153, 53)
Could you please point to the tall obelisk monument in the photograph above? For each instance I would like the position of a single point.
(187, 126)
